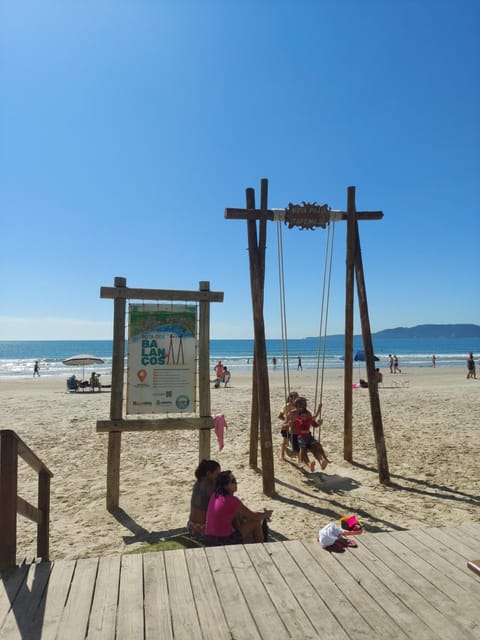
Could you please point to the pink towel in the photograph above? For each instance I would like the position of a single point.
(220, 425)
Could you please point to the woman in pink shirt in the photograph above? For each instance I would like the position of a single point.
(224, 509)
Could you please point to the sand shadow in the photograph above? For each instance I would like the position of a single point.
(332, 483)
(335, 508)
(431, 489)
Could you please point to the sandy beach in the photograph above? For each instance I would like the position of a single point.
(431, 426)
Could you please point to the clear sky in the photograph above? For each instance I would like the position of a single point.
(128, 126)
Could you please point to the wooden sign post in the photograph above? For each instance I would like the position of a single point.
(117, 424)
(308, 216)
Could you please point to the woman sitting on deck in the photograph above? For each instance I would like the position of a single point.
(205, 473)
(229, 521)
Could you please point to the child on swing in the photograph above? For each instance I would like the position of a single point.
(304, 420)
(286, 409)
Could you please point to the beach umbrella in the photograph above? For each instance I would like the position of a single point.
(360, 357)
(82, 360)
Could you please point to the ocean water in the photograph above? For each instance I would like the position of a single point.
(17, 357)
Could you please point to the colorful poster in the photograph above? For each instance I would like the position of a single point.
(161, 358)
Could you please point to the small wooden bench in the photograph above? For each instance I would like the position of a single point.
(474, 565)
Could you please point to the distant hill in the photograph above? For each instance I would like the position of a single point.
(425, 331)
(432, 331)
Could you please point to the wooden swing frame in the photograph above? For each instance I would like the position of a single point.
(308, 216)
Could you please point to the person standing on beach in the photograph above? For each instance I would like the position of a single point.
(396, 368)
(36, 369)
(390, 362)
(471, 372)
(299, 365)
(434, 360)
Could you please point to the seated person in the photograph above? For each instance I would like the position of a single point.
(95, 380)
(363, 383)
(304, 422)
(205, 473)
(378, 376)
(72, 383)
(286, 409)
(229, 521)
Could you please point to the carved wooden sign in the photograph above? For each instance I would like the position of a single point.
(307, 215)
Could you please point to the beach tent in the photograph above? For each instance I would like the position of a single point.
(82, 360)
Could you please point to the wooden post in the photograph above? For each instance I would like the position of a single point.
(8, 498)
(382, 462)
(43, 527)
(254, 417)
(348, 354)
(257, 277)
(204, 373)
(116, 400)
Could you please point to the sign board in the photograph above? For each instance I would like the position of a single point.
(161, 358)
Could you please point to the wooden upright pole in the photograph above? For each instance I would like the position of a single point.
(257, 278)
(204, 373)
(116, 399)
(382, 462)
(348, 354)
(254, 417)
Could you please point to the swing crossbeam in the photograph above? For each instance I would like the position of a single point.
(314, 215)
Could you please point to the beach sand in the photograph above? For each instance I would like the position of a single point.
(431, 426)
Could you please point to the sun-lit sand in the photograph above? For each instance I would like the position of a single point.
(432, 434)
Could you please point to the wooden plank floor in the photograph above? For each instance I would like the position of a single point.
(407, 584)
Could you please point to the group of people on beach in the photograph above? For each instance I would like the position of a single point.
(222, 374)
(217, 516)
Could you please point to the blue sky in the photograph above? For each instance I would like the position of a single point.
(127, 127)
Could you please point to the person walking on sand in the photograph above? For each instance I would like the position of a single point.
(471, 372)
(396, 368)
(36, 369)
(390, 362)
(226, 376)
(299, 365)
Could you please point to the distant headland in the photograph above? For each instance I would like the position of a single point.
(432, 331)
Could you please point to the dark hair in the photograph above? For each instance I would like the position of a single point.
(205, 467)
(301, 402)
(221, 483)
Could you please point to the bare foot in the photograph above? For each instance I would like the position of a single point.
(323, 463)
(312, 466)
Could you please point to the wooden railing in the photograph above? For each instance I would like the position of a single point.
(11, 446)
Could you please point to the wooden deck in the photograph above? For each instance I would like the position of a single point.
(408, 584)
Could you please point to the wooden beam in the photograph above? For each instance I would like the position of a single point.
(257, 278)
(27, 510)
(30, 458)
(382, 461)
(204, 376)
(161, 294)
(232, 213)
(158, 424)
(348, 353)
(8, 498)
(116, 397)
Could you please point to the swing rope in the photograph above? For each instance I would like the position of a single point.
(322, 334)
(283, 313)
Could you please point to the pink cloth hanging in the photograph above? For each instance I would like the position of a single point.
(220, 425)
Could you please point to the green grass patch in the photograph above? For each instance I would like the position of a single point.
(181, 541)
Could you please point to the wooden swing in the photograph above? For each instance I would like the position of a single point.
(322, 334)
(307, 216)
